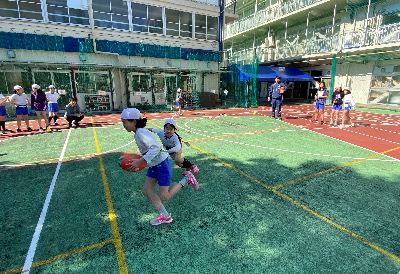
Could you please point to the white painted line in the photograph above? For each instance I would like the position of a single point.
(39, 226)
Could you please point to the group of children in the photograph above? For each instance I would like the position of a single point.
(341, 100)
(159, 166)
(40, 102)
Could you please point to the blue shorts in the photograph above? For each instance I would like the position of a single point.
(347, 107)
(178, 104)
(162, 172)
(3, 111)
(336, 107)
(319, 105)
(53, 107)
(21, 110)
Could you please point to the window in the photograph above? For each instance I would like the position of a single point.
(178, 23)
(172, 22)
(212, 28)
(206, 27)
(155, 21)
(139, 17)
(62, 12)
(27, 9)
(111, 14)
(147, 18)
(201, 26)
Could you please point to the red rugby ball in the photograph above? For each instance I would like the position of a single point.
(125, 162)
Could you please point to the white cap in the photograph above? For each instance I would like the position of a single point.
(170, 121)
(36, 86)
(347, 88)
(130, 113)
(51, 86)
(179, 90)
(338, 86)
(17, 87)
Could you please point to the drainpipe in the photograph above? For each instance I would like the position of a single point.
(91, 21)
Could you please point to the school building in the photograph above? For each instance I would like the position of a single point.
(112, 54)
(355, 43)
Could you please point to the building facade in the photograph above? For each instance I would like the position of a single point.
(112, 54)
(355, 43)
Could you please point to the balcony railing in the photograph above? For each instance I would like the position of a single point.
(264, 16)
(355, 39)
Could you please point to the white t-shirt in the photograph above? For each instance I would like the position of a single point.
(149, 148)
(19, 99)
(52, 97)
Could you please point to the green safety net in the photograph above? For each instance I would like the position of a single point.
(242, 91)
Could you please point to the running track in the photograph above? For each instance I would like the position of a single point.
(377, 132)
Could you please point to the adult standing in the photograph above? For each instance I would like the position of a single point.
(39, 105)
(275, 95)
(20, 100)
(52, 101)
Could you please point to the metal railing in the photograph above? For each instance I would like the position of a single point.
(264, 16)
(313, 46)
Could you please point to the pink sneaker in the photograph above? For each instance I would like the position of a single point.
(192, 180)
(161, 220)
(194, 169)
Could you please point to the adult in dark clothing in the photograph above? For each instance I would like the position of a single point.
(275, 95)
(73, 113)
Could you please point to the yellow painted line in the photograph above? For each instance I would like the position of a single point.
(303, 206)
(60, 256)
(334, 168)
(113, 219)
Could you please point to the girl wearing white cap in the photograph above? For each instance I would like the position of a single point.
(348, 104)
(172, 142)
(159, 171)
(20, 100)
(53, 107)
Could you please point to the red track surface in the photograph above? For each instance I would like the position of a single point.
(377, 132)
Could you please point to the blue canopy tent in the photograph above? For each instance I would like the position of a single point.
(268, 73)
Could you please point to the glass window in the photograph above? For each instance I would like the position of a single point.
(102, 14)
(139, 17)
(186, 24)
(79, 17)
(31, 9)
(155, 22)
(9, 8)
(57, 11)
(119, 12)
(60, 11)
(212, 28)
(172, 22)
(200, 26)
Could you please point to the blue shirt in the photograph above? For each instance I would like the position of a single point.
(274, 91)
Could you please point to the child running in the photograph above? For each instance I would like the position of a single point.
(348, 105)
(160, 169)
(172, 142)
